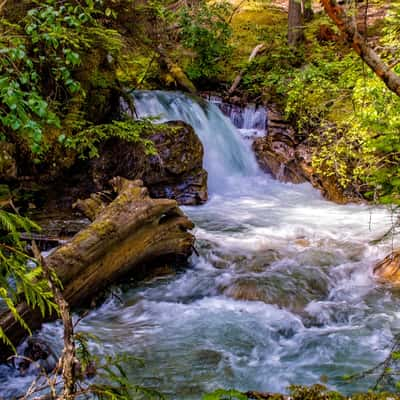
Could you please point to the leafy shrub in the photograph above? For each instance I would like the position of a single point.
(205, 31)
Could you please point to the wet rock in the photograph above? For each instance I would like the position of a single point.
(283, 155)
(289, 290)
(388, 270)
(208, 357)
(302, 242)
(247, 289)
(37, 354)
(175, 172)
(276, 155)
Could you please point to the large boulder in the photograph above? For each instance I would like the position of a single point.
(175, 172)
(276, 154)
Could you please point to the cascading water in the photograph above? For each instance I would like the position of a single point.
(249, 118)
(225, 155)
(281, 292)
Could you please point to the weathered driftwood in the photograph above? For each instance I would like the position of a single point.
(132, 231)
(388, 270)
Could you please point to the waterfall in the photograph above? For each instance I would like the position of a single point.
(250, 118)
(225, 155)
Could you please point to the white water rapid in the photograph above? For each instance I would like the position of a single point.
(281, 292)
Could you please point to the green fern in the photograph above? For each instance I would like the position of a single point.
(86, 142)
(21, 277)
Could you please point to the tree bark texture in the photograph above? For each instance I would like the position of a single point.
(295, 23)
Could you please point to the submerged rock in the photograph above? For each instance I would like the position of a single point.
(287, 159)
(279, 290)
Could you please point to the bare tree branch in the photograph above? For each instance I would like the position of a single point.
(349, 30)
(68, 362)
(259, 48)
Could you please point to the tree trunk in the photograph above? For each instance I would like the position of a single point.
(132, 232)
(349, 30)
(295, 23)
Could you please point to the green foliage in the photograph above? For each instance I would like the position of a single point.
(23, 109)
(86, 142)
(224, 394)
(269, 74)
(21, 277)
(38, 59)
(335, 103)
(316, 89)
(205, 31)
(362, 148)
(349, 116)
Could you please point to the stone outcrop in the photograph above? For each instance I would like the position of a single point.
(288, 158)
(388, 270)
(175, 172)
(133, 232)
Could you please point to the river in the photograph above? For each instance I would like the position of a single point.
(281, 292)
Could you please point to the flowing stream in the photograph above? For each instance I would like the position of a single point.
(281, 292)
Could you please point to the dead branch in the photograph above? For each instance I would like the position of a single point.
(258, 49)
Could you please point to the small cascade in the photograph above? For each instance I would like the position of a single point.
(225, 156)
(251, 119)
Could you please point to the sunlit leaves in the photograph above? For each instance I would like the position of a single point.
(205, 31)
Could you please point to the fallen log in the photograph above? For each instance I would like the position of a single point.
(131, 232)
